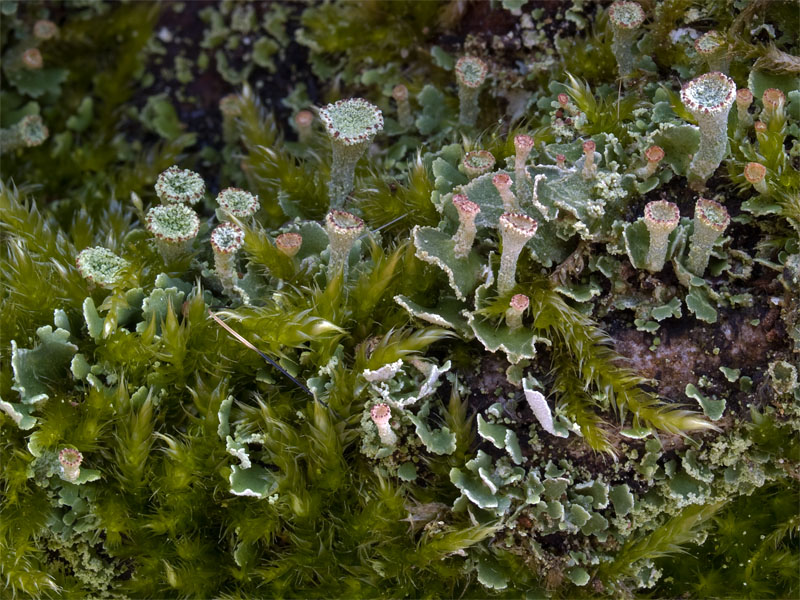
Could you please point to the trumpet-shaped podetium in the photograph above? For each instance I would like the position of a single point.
(516, 307)
(471, 72)
(516, 229)
(180, 186)
(32, 59)
(711, 219)
(744, 98)
(625, 18)
(774, 101)
(351, 125)
(754, 173)
(343, 230)
(465, 236)
(400, 95)
(654, 155)
(381, 414)
(289, 243)
(174, 226)
(477, 163)
(100, 266)
(44, 30)
(70, 460)
(589, 166)
(523, 144)
(713, 48)
(709, 98)
(28, 132)
(502, 184)
(660, 217)
(238, 203)
(226, 240)
(303, 122)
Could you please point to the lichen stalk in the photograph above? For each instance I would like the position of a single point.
(174, 226)
(477, 162)
(710, 221)
(226, 240)
(303, 122)
(661, 218)
(625, 18)
(744, 98)
(774, 101)
(523, 144)
(465, 235)
(400, 95)
(289, 243)
(28, 132)
(589, 166)
(351, 125)
(70, 460)
(343, 230)
(755, 173)
(502, 183)
(381, 414)
(516, 229)
(654, 155)
(470, 74)
(516, 308)
(709, 98)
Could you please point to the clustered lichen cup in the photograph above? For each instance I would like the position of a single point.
(351, 124)
(709, 98)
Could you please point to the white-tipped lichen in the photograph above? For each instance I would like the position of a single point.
(709, 98)
(516, 308)
(710, 221)
(477, 163)
(351, 125)
(238, 203)
(289, 243)
(515, 229)
(465, 235)
(400, 95)
(713, 48)
(174, 226)
(502, 182)
(523, 144)
(343, 230)
(70, 460)
(625, 18)
(100, 266)
(470, 73)
(381, 414)
(180, 186)
(754, 173)
(660, 217)
(28, 132)
(226, 240)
